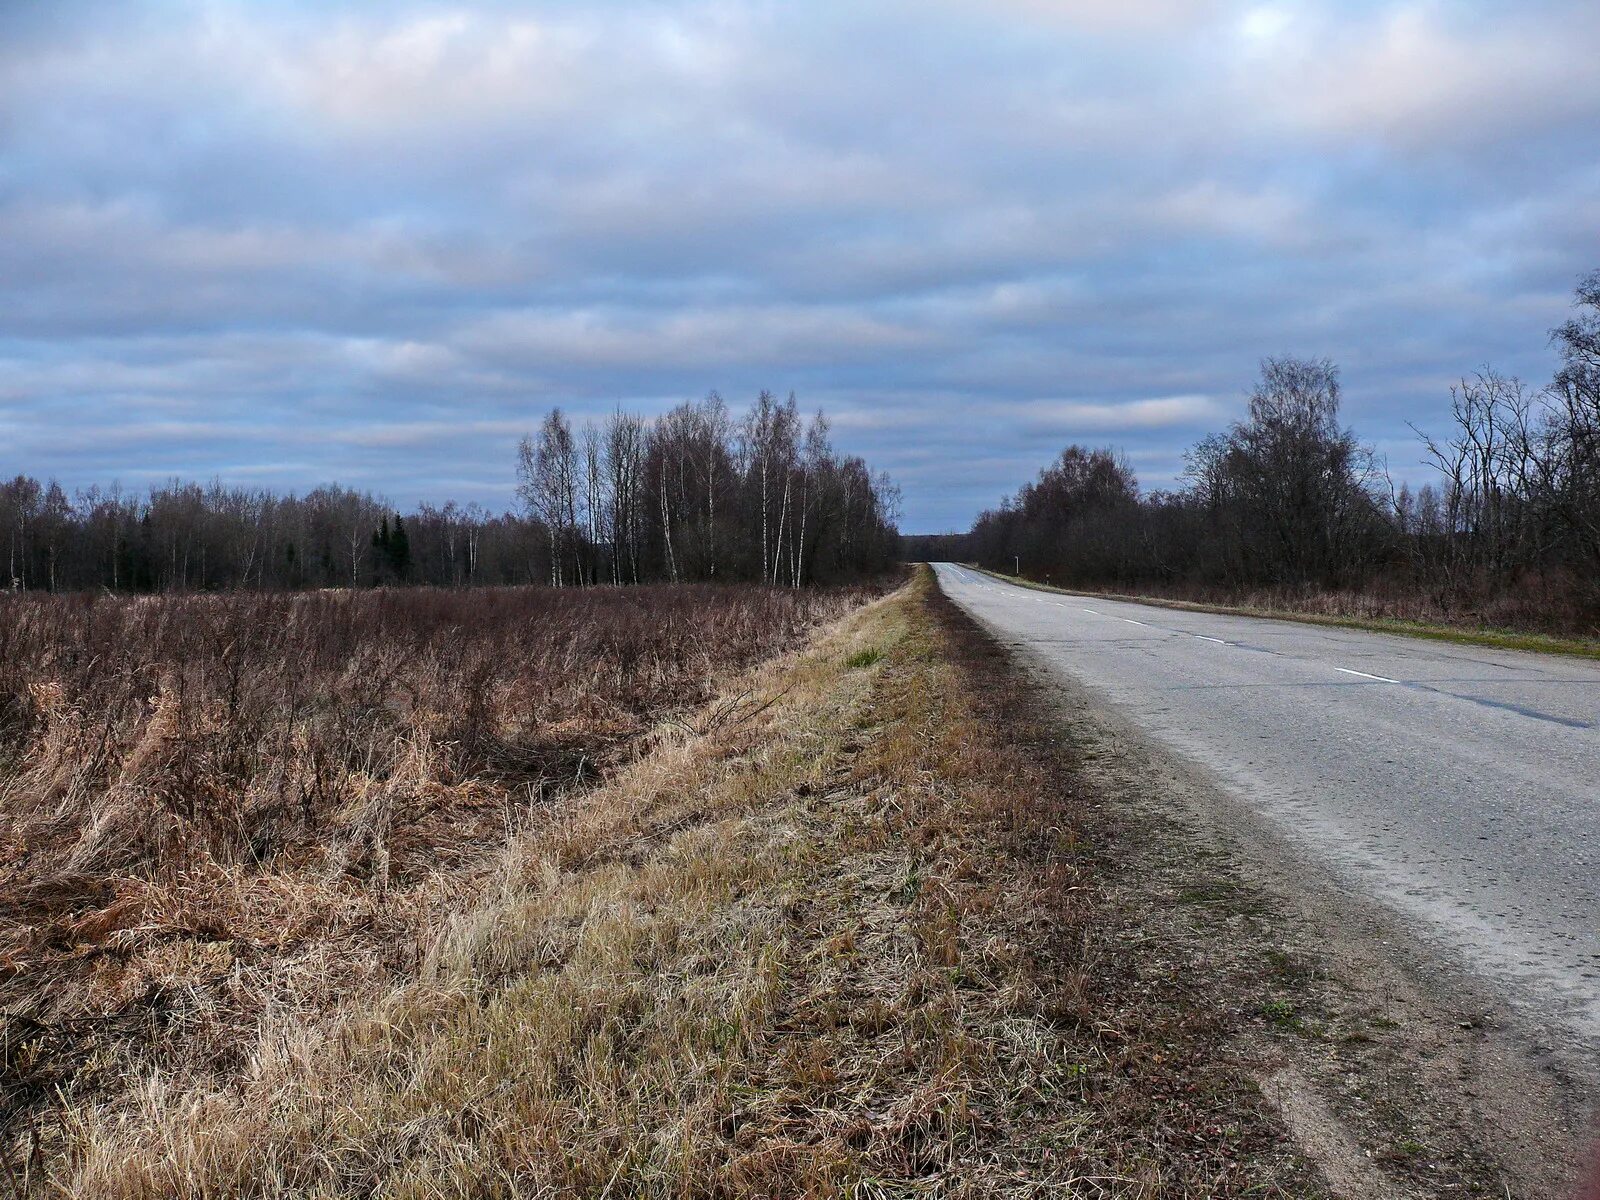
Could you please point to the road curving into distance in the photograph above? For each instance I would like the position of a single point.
(1458, 786)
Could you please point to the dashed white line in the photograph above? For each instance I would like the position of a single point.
(1364, 675)
(1092, 611)
(1204, 638)
(1131, 621)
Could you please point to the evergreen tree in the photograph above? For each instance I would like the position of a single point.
(399, 549)
(380, 546)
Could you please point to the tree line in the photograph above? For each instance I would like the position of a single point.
(698, 494)
(692, 495)
(1289, 499)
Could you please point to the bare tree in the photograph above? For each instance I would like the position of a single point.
(624, 439)
(594, 506)
(631, 500)
(547, 484)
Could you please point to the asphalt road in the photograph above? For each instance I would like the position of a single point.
(1456, 785)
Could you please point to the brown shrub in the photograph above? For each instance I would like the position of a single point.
(210, 804)
(1551, 604)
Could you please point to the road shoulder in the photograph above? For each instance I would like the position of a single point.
(1395, 1077)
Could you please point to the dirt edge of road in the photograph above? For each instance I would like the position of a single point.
(1394, 1076)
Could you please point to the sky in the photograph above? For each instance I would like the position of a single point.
(282, 244)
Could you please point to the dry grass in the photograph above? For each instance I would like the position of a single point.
(840, 941)
(222, 817)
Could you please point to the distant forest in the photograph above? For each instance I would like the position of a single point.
(695, 494)
(1288, 503)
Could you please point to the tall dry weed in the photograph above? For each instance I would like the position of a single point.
(213, 807)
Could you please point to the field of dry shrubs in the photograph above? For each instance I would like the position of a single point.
(222, 811)
(441, 896)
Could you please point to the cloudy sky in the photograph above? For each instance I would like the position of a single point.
(283, 244)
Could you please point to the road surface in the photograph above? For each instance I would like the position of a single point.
(1458, 786)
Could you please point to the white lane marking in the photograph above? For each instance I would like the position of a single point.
(1131, 621)
(1364, 675)
(1204, 638)
(1090, 610)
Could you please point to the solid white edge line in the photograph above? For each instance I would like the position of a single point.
(1364, 675)
(1205, 638)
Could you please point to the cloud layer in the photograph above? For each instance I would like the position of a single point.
(285, 246)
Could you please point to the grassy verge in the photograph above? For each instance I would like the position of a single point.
(1499, 639)
(227, 813)
(839, 937)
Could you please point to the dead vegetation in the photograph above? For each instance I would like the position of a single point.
(220, 816)
(1536, 607)
(846, 942)
(1511, 623)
